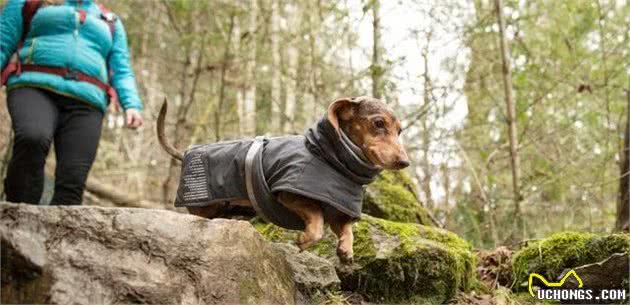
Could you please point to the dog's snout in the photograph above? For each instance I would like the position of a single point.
(400, 164)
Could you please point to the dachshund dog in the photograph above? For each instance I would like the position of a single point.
(371, 126)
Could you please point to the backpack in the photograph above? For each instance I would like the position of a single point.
(14, 66)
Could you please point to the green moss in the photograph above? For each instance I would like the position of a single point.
(432, 264)
(363, 244)
(397, 262)
(271, 232)
(407, 231)
(399, 177)
(409, 234)
(392, 197)
(549, 257)
(327, 247)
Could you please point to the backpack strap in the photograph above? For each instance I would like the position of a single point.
(108, 17)
(14, 66)
(28, 11)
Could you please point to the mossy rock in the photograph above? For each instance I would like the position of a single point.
(396, 262)
(551, 256)
(392, 197)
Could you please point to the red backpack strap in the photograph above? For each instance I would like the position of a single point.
(14, 66)
(108, 17)
(28, 11)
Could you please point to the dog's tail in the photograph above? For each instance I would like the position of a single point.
(170, 149)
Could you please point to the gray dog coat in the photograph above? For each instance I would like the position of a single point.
(323, 165)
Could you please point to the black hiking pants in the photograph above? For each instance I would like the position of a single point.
(39, 117)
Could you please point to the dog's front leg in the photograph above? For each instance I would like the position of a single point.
(310, 212)
(341, 225)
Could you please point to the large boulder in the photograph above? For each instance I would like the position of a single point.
(392, 196)
(91, 255)
(396, 262)
(551, 257)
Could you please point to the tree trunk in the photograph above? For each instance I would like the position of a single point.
(291, 83)
(224, 64)
(446, 183)
(376, 69)
(291, 74)
(427, 167)
(313, 98)
(623, 200)
(350, 46)
(239, 90)
(511, 120)
(276, 75)
(249, 103)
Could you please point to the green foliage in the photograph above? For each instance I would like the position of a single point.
(471, 222)
(569, 135)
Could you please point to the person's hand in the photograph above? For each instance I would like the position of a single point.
(133, 118)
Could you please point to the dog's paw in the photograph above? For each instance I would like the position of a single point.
(306, 240)
(345, 257)
(303, 242)
(346, 260)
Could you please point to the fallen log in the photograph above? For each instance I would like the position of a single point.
(118, 198)
(107, 192)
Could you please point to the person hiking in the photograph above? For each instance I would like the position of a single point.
(63, 63)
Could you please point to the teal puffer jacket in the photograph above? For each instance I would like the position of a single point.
(57, 38)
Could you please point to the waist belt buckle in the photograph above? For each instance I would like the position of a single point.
(72, 74)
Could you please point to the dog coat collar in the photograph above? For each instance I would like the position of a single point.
(353, 148)
(324, 141)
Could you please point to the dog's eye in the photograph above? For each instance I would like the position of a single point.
(379, 124)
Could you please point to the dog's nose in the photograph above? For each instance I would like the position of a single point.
(402, 164)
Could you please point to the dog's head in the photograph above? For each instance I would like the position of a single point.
(373, 127)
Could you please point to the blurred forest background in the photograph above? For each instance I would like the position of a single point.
(233, 69)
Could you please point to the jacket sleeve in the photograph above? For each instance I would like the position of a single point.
(123, 79)
(10, 29)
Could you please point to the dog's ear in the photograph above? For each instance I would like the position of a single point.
(341, 109)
